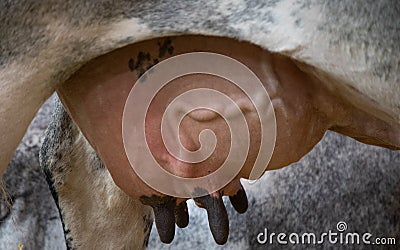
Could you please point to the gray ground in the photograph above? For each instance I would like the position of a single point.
(340, 180)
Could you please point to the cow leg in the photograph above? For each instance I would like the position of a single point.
(94, 211)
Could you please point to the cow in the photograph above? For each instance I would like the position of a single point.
(326, 65)
(339, 180)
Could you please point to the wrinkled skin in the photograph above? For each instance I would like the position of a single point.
(337, 69)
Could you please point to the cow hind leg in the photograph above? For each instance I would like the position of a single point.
(94, 211)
